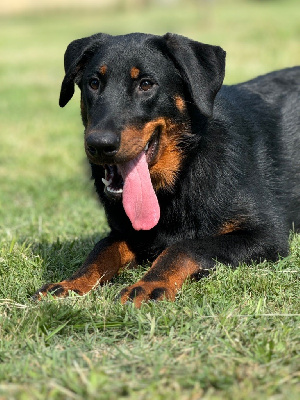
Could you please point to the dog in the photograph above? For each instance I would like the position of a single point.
(190, 172)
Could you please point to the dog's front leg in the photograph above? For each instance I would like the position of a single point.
(164, 279)
(193, 258)
(108, 257)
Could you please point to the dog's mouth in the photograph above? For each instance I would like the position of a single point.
(131, 181)
(113, 179)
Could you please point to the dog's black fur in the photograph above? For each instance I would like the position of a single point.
(233, 192)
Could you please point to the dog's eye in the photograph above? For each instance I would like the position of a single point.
(94, 83)
(145, 85)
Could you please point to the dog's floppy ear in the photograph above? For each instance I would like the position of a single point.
(78, 53)
(202, 67)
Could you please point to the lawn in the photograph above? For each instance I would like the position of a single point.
(233, 335)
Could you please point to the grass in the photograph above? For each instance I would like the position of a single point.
(232, 335)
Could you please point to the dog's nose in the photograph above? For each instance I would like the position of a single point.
(105, 143)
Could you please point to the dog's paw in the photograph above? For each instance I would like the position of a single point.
(144, 291)
(61, 289)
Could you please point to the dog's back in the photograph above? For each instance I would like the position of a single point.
(270, 101)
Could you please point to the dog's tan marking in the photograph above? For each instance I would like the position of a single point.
(169, 156)
(134, 140)
(98, 268)
(230, 226)
(164, 171)
(180, 103)
(134, 73)
(103, 69)
(167, 282)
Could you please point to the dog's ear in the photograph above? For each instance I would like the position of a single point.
(202, 67)
(78, 53)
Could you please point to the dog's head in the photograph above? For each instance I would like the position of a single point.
(137, 91)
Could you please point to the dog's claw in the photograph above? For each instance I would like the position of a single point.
(142, 292)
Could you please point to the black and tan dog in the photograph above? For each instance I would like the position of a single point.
(188, 171)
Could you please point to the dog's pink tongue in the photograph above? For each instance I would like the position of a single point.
(139, 199)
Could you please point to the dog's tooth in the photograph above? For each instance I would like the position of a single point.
(147, 147)
(106, 182)
(111, 190)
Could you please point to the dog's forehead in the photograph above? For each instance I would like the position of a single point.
(129, 51)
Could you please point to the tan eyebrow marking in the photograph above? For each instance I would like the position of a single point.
(134, 73)
(103, 69)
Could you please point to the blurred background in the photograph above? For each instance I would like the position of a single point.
(43, 184)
